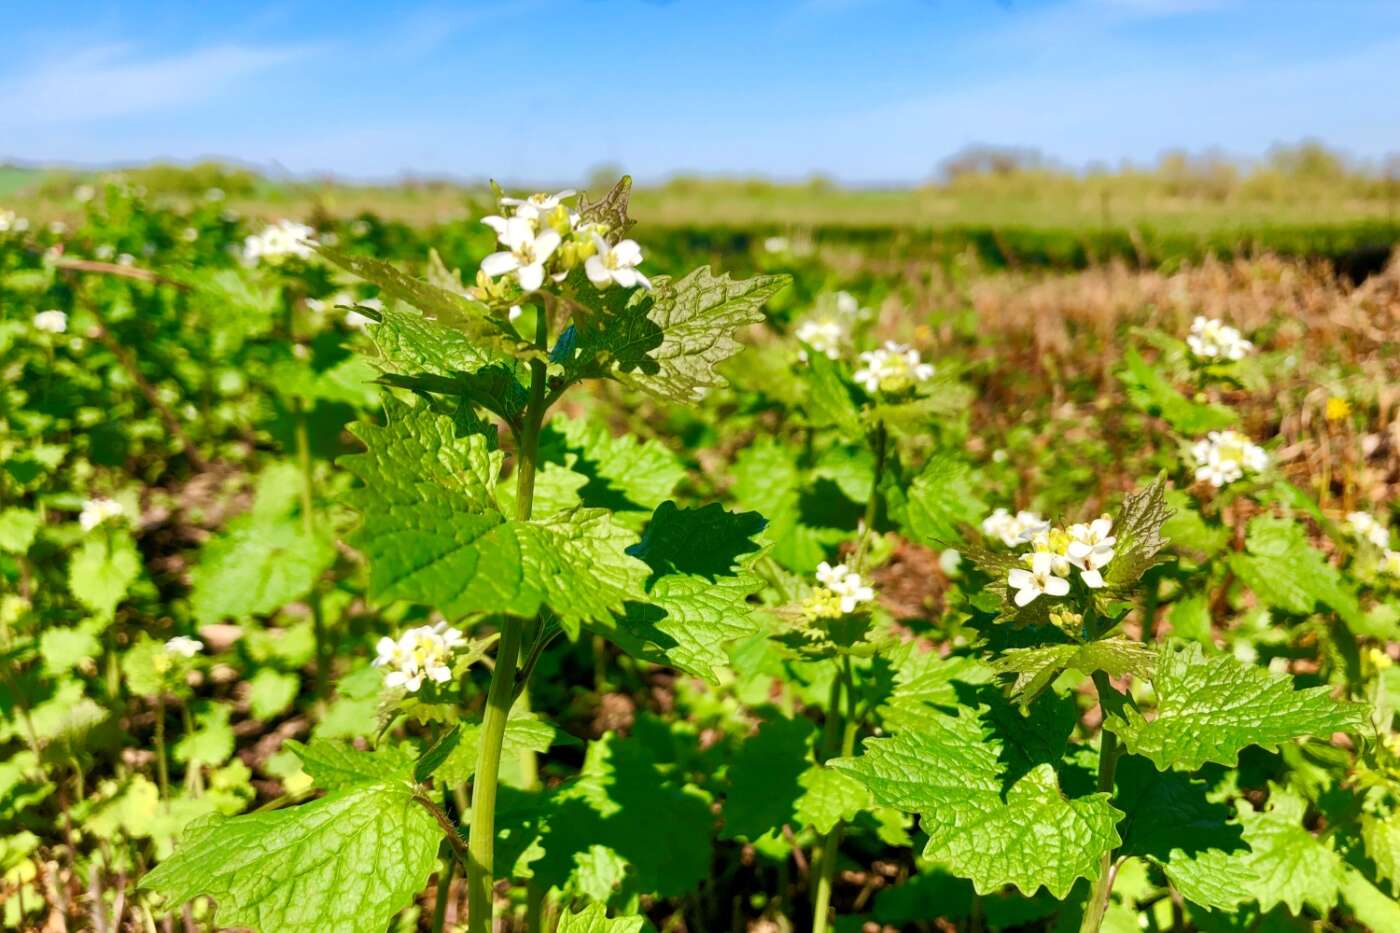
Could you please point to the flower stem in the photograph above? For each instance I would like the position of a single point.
(481, 843)
(444, 893)
(162, 767)
(1097, 905)
(308, 524)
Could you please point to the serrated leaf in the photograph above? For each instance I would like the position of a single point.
(1188, 531)
(271, 692)
(594, 919)
(805, 519)
(941, 500)
(102, 571)
(623, 474)
(949, 770)
(1210, 708)
(1141, 543)
(1292, 866)
(1373, 908)
(697, 317)
(829, 797)
(829, 399)
(1287, 573)
(610, 209)
(1381, 835)
(1172, 821)
(1034, 669)
(524, 733)
(1150, 391)
(408, 344)
(211, 741)
(335, 765)
(694, 600)
(434, 535)
(349, 861)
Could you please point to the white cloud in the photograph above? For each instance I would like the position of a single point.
(110, 81)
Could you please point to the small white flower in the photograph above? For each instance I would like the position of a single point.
(825, 335)
(1212, 340)
(51, 321)
(892, 369)
(538, 204)
(1368, 529)
(1093, 538)
(96, 511)
(1390, 563)
(105, 252)
(278, 242)
(776, 244)
(949, 560)
(184, 646)
(846, 585)
(1223, 457)
(422, 653)
(525, 254)
(615, 263)
(1014, 529)
(84, 193)
(1038, 580)
(9, 221)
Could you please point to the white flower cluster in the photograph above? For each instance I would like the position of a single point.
(841, 591)
(419, 653)
(542, 236)
(1055, 552)
(10, 222)
(1013, 529)
(1366, 528)
(96, 511)
(1224, 457)
(828, 328)
(278, 242)
(52, 321)
(184, 646)
(1211, 340)
(892, 369)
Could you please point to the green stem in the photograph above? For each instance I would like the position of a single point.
(831, 842)
(162, 767)
(481, 843)
(879, 442)
(1097, 905)
(444, 893)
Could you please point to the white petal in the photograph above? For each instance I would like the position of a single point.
(499, 264)
(519, 231)
(597, 272)
(1020, 579)
(531, 276)
(1023, 597)
(628, 253)
(625, 277)
(1092, 578)
(545, 245)
(1057, 586)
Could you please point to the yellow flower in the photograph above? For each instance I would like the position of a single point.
(1337, 408)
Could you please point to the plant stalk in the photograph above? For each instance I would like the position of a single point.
(444, 893)
(481, 843)
(162, 766)
(831, 842)
(1097, 905)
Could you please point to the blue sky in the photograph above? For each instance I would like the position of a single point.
(866, 91)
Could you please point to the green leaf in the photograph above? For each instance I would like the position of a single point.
(1036, 668)
(949, 770)
(594, 919)
(1150, 391)
(408, 344)
(349, 861)
(765, 776)
(1381, 835)
(695, 599)
(602, 829)
(610, 209)
(829, 399)
(103, 569)
(524, 733)
(451, 309)
(829, 797)
(942, 499)
(335, 765)
(64, 648)
(1188, 531)
(697, 317)
(623, 474)
(1287, 573)
(1141, 542)
(433, 532)
(1373, 908)
(271, 692)
(17, 530)
(211, 742)
(256, 566)
(1209, 708)
(1172, 821)
(804, 520)
(1292, 866)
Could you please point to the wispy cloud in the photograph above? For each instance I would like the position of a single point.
(113, 81)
